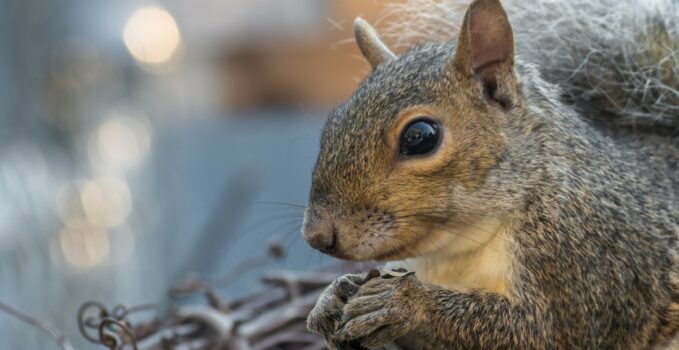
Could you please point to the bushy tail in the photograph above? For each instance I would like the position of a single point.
(617, 60)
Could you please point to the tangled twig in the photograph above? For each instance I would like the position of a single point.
(109, 326)
(272, 318)
(109, 337)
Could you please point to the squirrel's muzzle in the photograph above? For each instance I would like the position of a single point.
(325, 242)
(320, 235)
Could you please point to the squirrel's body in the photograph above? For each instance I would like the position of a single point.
(606, 199)
(533, 225)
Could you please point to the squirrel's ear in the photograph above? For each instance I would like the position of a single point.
(373, 49)
(485, 48)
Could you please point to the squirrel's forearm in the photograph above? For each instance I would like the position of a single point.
(477, 320)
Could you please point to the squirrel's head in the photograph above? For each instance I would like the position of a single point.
(411, 154)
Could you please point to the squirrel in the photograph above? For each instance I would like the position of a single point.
(534, 196)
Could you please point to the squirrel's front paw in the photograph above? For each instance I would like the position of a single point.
(382, 311)
(326, 316)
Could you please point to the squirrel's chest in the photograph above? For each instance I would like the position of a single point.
(486, 266)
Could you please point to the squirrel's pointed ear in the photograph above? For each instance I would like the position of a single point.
(373, 49)
(485, 48)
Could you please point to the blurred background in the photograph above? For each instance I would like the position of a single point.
(142, 141)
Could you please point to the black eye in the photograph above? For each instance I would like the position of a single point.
(419, 137)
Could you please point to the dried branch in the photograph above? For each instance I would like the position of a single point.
(49, 329)
(221, 323)
(271, 318)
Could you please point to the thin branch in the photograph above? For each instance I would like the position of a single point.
(46, 327)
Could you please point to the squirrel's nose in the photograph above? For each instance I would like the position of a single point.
(323, 240)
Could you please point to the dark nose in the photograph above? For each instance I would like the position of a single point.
(324, 241)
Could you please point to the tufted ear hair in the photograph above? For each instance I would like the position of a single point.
(373, 49)
(485, 49)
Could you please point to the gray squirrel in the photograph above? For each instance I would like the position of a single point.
(532, 188)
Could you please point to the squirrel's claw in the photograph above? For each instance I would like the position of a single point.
(381, 312)
(325, 317)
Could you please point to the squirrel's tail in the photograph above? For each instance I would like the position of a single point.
(617, 60)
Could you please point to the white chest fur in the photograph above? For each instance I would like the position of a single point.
(471, 256)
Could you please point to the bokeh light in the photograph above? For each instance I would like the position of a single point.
(121, 142)
(106, 202)
(70, 206)
(152, 36)
(88, 209)
(84, 247)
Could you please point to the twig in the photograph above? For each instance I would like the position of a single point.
(279, 316)
(281, 338)
(268, 318)
(219, 322)
(313, 279)
(107, 333)
(193, 283)
(179, 331)
(48, 328)
(274, 251)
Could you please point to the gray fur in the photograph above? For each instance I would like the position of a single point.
(593, 209)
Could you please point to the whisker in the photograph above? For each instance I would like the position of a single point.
(279, 203)
(271, 220)
(290, 227)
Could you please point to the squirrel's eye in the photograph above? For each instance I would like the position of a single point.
(419, 137)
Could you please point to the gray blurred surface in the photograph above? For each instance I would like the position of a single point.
(264, 161)
(192, 168)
